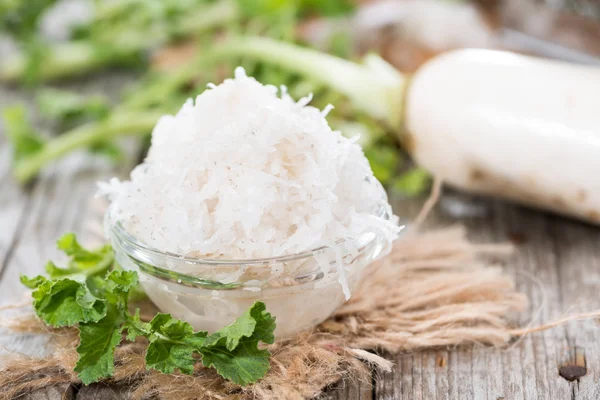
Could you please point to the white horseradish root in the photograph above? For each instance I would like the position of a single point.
(511, 126)
(241, 173)
(489, 122)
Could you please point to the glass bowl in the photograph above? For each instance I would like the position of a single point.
(300, 290)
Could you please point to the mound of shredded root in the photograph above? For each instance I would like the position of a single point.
(244, 173)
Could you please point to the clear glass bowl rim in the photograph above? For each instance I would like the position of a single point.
(122, 235)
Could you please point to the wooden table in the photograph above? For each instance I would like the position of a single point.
(557, 266)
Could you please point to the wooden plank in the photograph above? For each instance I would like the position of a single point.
(534, 267)
(557, 266)
(578, 256)
(348, 389)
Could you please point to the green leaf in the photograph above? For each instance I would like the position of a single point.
(81, 292)
(167, 326)
(166, 357)
(98, 340)
(114, 287)
(172, 345)
(56, 272)
(21, 133)
(412, 183)
(265, 323)
(233, 351)
(122, 281)
(256, 324)
(243, 366)
(136, 327)
(70, 246)
(32, 283)
(95, 299)
(66, 302)
(97, 343)
(81, 258)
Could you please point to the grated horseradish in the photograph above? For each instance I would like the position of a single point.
(239, 188)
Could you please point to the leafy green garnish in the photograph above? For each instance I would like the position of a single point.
(233, 350)
(65, 299)
(172, 344)
(81, 258)
(66, 302)
(97, 343)
(92, 293)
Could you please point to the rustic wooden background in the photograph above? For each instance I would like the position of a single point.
(557, 265)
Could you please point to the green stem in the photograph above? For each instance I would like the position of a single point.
(375, 86)
(117, 125)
